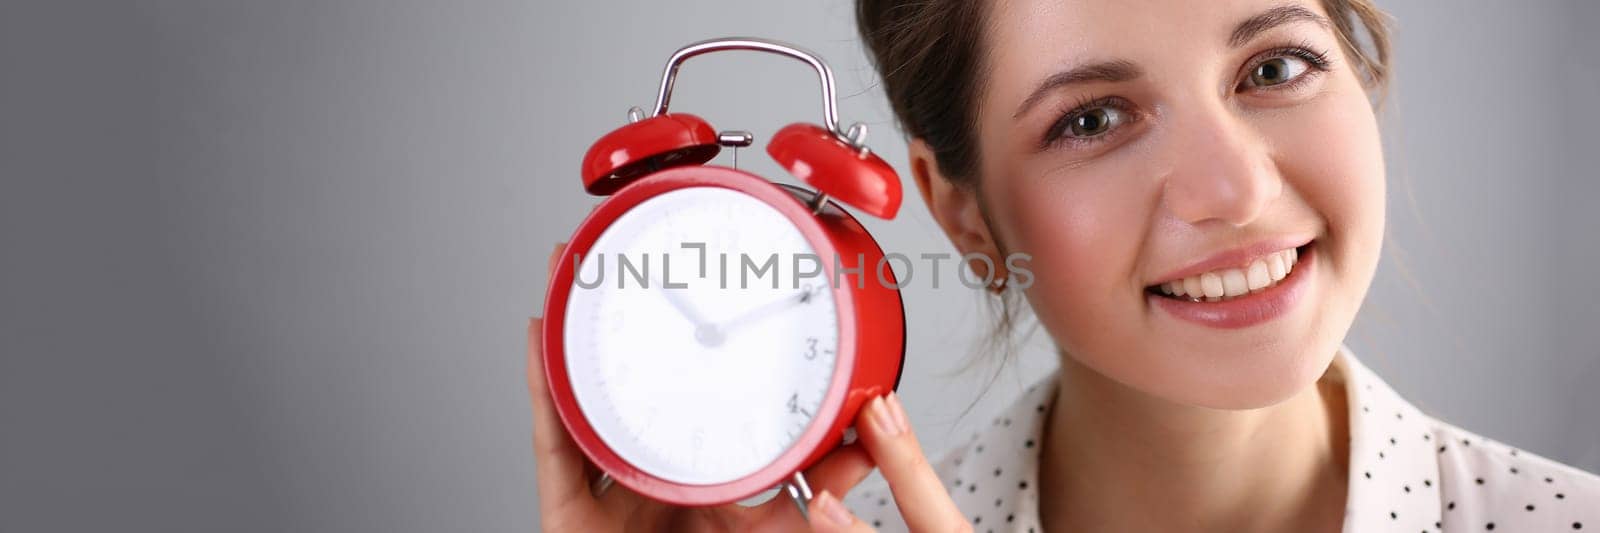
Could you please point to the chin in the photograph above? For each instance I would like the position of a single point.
(1253, 379)
(1232, 379)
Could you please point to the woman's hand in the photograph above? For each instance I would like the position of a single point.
(924, 504)
(566, 504)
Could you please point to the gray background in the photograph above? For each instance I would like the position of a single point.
(265, 266)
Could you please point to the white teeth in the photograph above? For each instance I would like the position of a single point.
(1211, 284)
(1256, 277)
(1233, 282)
(1227, 283)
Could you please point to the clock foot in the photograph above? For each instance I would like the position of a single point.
(800, 492)
(600, 484)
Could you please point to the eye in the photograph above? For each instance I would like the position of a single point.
(1286, 68)
(1089, 121)
(1093, 122)
(1277, 71)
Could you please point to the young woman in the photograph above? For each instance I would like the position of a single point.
(1201, 188)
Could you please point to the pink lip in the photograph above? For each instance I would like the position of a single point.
(1247, 310)
(1240, 257)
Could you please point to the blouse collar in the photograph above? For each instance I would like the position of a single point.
(1390, 445)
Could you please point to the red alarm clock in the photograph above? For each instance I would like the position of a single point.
(709, 333)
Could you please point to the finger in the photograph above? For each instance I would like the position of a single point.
(841, 470)
(555, 259)
(561, 477)
(886, 435)
(560, 464)
(829, 515)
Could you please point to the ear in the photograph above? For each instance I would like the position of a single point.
(956, 208)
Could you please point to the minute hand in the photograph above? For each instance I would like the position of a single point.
(764, 311)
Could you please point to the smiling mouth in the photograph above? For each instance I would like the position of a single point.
(1226, 284)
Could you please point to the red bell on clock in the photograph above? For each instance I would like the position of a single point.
(851, 175)
(647, 146)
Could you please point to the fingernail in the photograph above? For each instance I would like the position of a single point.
(832, 511)
(899, 412)
(878, 409)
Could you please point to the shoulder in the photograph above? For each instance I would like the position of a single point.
(1410, 469)
(1484, 481)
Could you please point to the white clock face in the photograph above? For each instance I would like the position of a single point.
(709, 383)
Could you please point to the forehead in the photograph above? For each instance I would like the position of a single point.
(1027, 39)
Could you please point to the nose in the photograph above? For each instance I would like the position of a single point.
(1221, 169)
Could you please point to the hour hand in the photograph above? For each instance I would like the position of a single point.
(705, 332)
(675, 297)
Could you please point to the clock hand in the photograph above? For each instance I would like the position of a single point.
(766, 310)
(687, 311)
(706, 332)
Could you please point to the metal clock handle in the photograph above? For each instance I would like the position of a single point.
(855, 135)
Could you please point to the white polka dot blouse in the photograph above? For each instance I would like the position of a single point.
(1408, 472)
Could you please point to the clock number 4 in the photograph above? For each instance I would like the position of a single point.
(794, 405)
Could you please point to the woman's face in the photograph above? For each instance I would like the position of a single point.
(1124, 141)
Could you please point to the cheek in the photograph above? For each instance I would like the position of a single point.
(1083, 231)
(1331, 155)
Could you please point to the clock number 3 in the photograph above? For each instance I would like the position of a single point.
(811, 348)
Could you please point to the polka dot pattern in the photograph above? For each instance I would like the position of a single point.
(1408, 472)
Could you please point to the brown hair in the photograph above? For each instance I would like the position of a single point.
(929, 54)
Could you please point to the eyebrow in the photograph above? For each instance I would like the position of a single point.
(1107, 71)
(1121, 70)
(1272, 18)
